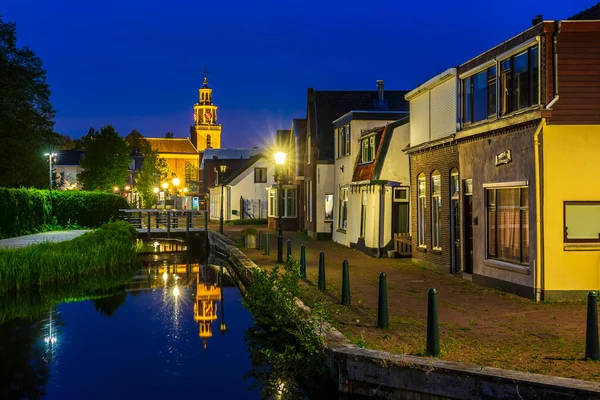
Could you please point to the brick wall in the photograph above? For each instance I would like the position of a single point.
(443, 159)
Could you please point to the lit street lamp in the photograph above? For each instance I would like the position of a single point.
(176, 183)
(222, 168)
(280, 160)
(50, 156)
(165, 186)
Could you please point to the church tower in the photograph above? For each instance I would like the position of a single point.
(207, 133)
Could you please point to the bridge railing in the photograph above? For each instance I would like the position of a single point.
(159, 220)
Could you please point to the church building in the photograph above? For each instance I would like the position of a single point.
(206, 133)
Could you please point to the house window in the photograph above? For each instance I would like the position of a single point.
(582, 221)
(308, 149)
(260, 175)
(436, 210)
(363, 213)
(328, 207)
(479, 96)
(289, 203)
(519, 81)
(208, 142)
(368, 150)
(343, 218)
(343, 137)
(421, 206)
(508, 224)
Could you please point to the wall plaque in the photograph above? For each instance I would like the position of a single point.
(503, 158)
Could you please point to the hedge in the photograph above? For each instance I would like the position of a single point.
(24, 211)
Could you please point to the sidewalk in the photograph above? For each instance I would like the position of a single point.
(478, 325)
(54, 236)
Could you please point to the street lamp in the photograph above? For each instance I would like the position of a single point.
(280, 160)
(165, 186)
(222, 168)
(156, 190)
(50, 156)
(176, 183)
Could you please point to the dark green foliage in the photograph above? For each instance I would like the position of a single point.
(26, 115)
(27, 211)
(88, 209)
(284, 345)
(250, 221)
(108, 249)
(106, 161)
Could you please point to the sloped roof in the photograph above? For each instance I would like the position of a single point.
(229, 154)
(69, 157)
(590, 14)
(372, 171)
(330, 105)
(239, 171)
(173, 146)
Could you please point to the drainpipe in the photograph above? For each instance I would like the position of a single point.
(555, 65)
(538, 263)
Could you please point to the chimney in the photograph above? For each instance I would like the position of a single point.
(538, 18)
(380, 90)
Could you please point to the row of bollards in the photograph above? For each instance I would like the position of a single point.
(592, 345)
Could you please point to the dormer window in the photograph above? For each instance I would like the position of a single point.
(519, 81)
(343, 136)
(368, 150)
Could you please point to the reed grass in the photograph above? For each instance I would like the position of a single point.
(106, 250)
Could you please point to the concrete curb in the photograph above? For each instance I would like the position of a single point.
(379, 374)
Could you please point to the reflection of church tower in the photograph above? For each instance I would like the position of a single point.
(205, 307)
(207, 133)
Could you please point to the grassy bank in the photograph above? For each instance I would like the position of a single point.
(108, 249)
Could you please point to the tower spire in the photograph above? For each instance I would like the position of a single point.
(205, 83)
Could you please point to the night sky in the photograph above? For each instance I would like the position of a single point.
(139, 64)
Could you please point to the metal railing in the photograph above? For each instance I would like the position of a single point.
(155, 221)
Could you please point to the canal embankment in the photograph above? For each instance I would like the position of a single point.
(361, 372)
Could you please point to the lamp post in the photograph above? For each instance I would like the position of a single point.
(176, 183)
(128, 193)
(165, 186)
(222, 170)
(280, 160)
(156, 190)
(50, 157)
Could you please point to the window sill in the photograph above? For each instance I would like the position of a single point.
(340, 230)
(436, 250)
(520, 269)
(365, 163)
(581, 247)
(422, 249)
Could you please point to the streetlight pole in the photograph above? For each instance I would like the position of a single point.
(222, 169)
(156, 190)
(50, 157)
(176, 183)
(280, 160)
(165, 186)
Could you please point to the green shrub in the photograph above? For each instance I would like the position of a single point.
(108, 249)
(250, 221)
(27, 211)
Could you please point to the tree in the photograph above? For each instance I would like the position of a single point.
(136, 141)
(26, 115)
(154, 170)
(106, 161)
(169, 135)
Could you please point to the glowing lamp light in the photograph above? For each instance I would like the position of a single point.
(156, 189)
(165, 185)
(127, 187)
(116, 188)
(176, 291)
(165, 276)
(176, 181)
(185, 190)
(280, 158)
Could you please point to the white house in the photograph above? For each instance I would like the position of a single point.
(361, 136)
(244, 190)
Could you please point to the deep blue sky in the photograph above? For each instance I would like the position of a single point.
(138, 64)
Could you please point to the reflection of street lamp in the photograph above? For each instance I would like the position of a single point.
(280, 160)
(176, 183)
(223, 326)
(222, 169)
(165, 186)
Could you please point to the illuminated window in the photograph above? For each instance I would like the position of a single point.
(436, 210)
(368, 150)
(289, 203)
(328, 207)
(421, 206)
(508, 224)
(343, 206)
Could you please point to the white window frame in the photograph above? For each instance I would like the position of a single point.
(436, 207)
(421, 209)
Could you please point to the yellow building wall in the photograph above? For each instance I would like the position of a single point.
(177, 165)
(571, 156)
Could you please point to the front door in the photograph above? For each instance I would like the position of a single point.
(468, 225)
(454, 221)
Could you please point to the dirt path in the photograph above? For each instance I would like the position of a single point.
(478, 325)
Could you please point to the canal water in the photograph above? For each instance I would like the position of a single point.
(174, 330)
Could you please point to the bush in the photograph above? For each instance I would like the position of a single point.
(250, 221)
(27, 211)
